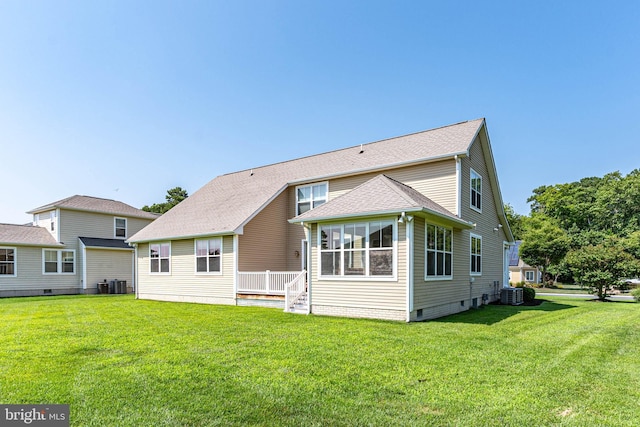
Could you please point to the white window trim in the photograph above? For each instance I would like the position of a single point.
(59, 261)
(326, 183)
(472, 172)
(437, 278)
(533, 275)
(195, 256)
(363, 278)
(477, 236)
(15, 262)
(115, 227)
(160, 273)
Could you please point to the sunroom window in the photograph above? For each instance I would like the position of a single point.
(363, 249)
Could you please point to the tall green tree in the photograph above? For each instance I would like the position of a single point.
(174, 196)
(544, 243)
(515, 221)
(601, 267)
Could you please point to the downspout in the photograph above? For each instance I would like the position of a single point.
(235, 267)
(308, 234)
(135, 270)
(409, 239)
(458, 186)
(84, 266)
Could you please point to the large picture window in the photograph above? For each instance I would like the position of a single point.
(209, 255)
(476, 191)
(160, 254)
(363, 249)
(310, 196)
(58, 261)
(476, 254)
(7, 261)
(439, 252)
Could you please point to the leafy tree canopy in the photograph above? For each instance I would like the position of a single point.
(601, 266)
(173, 197)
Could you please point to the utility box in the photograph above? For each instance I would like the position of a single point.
(511, 296)
(121, 286)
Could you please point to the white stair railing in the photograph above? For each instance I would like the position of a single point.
(295, 290)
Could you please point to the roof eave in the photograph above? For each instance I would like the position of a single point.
(181, 237)
(463, 224)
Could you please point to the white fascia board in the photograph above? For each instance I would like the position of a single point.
(185, 237)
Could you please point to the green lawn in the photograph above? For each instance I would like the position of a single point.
(122, 362)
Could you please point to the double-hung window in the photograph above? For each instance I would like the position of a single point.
(439, 252)
(476, 191)
(529, 276)
(120, 226)
(7, 261)
(476, 255)
(357, 249)
(209, 255)
(310, 196)
(160, 254)
(58, 261)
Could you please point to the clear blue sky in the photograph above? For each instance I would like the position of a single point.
(126, 99)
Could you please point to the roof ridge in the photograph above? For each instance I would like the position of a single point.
(352, 147)
(397, 188)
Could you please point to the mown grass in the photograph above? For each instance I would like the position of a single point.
(119, 361)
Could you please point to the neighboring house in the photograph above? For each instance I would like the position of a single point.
(519, 271)
(407, 228)
(71, 246)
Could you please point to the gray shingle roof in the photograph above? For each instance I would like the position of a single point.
(96, 204)
(26, 235)
(229, 201)
(378, 196)
(95, 242)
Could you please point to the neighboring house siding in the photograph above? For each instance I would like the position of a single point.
(436, 180)
(486, 221)
(74, 224)
(183, 284)
(29, 279)
(105, 264)
(361, 298)
(263, 244)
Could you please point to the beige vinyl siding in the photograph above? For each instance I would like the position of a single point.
(295, 233)
(106, 264)
(263, 244)
(366, 294)
(440, 297)
(486, 221)
(436, 180)
(29, 275)
(183, 284)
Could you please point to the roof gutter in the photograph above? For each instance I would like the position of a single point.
(463, 224)
(184, 237)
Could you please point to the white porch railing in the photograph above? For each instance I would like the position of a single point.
(265, 282)
(296, 293)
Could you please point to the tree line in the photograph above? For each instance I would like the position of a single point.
(587, 232)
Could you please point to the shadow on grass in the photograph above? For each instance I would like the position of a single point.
(494, 313)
